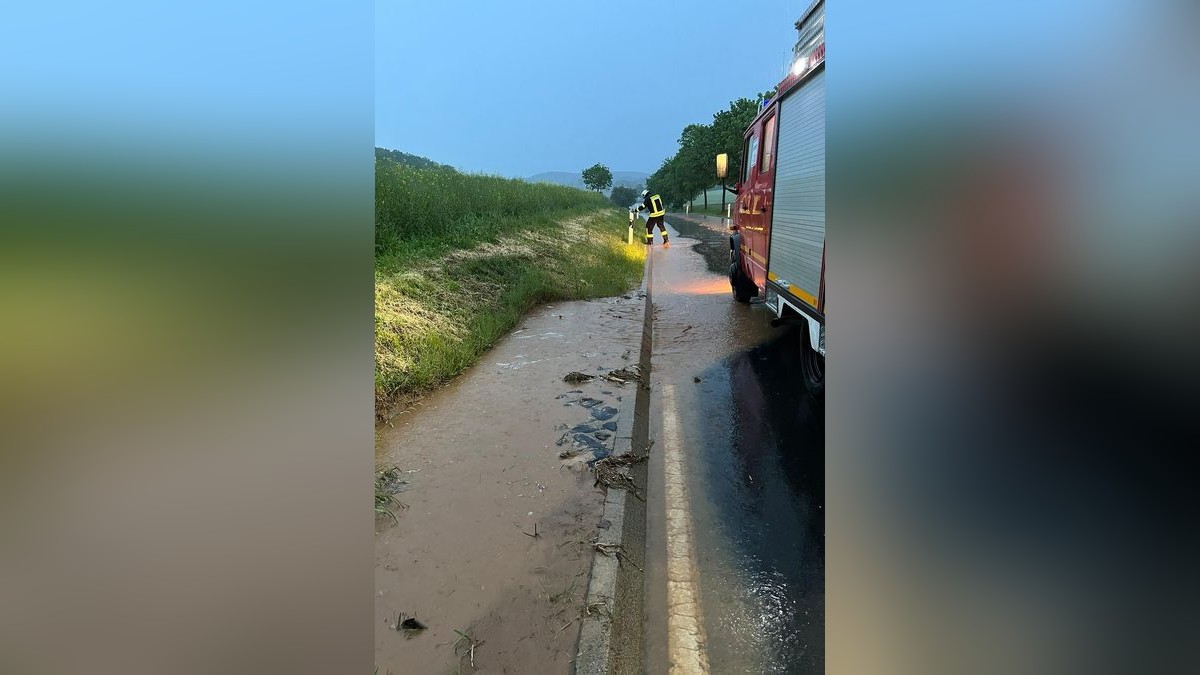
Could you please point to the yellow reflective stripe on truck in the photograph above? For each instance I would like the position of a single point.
(794, 290)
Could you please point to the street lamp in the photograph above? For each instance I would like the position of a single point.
(722, 169)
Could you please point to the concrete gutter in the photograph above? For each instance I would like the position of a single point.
(610, 633)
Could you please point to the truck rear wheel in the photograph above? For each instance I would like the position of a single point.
(741, 286)
(813, 365)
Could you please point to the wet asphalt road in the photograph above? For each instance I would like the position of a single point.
(750, 445)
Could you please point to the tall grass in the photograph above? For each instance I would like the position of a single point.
(448, 209)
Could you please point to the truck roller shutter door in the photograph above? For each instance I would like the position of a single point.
(798, 224)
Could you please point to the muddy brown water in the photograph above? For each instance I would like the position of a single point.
(482, 466)
(710, 238)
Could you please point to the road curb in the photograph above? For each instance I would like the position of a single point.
(595, 653)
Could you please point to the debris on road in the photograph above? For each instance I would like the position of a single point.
(624, 375)
(600, 608)
(565, 595)
(632, 373)
(609, 473)
(408, 624)
(625, 460)
(605, 413)
(388, 480)
(466, 644)
(388, 484)
(566, 625)
(589, 442)
(616, 551)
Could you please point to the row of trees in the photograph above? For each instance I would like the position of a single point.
(624, 195)
(693, 168)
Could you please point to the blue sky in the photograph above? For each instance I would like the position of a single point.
(263, 82)
(524, 86)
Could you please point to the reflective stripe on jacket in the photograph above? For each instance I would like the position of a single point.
(654, 204)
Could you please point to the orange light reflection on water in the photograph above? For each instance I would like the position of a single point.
(705, 286)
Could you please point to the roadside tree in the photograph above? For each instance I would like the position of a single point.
(597, 177)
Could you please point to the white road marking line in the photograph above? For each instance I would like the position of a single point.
(685, 625)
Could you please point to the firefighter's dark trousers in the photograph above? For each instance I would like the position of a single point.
(650, 223)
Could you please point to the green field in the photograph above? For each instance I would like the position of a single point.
(714, 201)
(712, 210)
(459, 258)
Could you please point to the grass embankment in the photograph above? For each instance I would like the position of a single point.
(459, 258)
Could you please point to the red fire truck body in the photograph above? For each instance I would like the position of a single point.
(777, 248)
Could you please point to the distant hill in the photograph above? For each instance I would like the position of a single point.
(406, 159)
(575, 178)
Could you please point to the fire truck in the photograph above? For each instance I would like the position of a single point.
(777, 240)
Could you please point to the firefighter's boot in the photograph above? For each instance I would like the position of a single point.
(649, 238)
(666, 241)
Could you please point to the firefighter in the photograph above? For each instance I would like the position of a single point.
(654, 206)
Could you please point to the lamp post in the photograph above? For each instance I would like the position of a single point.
(722, 169)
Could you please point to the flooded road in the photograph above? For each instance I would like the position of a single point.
(491, 546)
(735, 527)
(490, 550)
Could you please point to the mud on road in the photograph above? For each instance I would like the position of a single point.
(711, 237)
(502, 450)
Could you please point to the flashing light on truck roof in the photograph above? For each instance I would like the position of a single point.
(801, 65)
